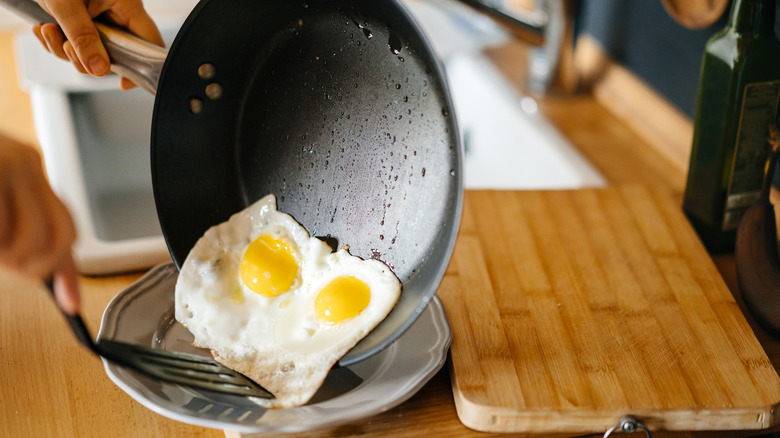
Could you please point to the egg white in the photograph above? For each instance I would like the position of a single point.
(276, 341)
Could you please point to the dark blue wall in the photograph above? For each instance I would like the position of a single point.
(640, 35)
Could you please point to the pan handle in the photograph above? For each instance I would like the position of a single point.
(131, 57)
(134, 58)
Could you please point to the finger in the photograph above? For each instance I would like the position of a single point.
(7, 214)
(9, 163)
(54, 38)
(37, 32)
(79, 29)
(24, 242)
(66, 287)
(133, 17)
(31, 230)
(63, 230)
(74, 59)
(126, 84)
(21, 214)
(60, 234)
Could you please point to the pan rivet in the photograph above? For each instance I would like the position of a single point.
(206, 71)
(195, 105)
(214, 91)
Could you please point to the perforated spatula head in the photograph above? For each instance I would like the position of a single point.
(175, 367)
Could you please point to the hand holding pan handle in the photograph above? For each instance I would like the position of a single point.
(131, 57)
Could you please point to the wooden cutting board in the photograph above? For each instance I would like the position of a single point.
(570, 309)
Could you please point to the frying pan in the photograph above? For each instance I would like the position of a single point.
(338, 107)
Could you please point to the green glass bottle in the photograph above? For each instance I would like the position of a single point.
(739, 89)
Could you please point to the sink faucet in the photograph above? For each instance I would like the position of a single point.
(549, 27)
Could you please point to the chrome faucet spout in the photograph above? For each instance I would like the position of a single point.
(531, 23)
(552, 61)
(549, 28)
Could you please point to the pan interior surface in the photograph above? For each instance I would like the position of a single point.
(339, 109)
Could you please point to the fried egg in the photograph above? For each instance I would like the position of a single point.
(276, 304)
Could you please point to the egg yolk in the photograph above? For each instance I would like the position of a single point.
(342, 299)
(269, 267)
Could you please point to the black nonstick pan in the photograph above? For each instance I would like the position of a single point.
(339, 108)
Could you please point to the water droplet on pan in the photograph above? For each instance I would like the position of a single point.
(394, 43)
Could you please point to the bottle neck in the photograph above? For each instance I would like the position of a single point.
(754, 17)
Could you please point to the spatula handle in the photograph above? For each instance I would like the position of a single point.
(131, 57)
(75, 322)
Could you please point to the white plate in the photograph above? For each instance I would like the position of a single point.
(143, 314)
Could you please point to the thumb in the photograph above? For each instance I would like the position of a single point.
(66, 287)
(83, 36)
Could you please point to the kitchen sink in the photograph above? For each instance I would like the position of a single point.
(507, 143)
(95, 138)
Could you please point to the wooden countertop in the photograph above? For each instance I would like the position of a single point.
(50, 386)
